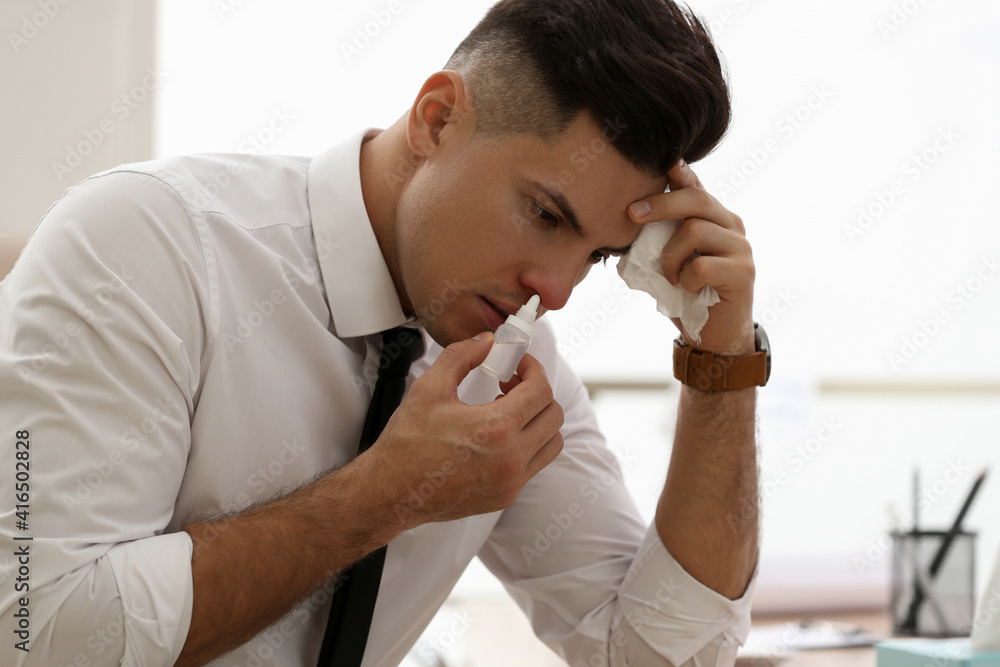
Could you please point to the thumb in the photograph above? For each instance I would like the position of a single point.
(458, 359)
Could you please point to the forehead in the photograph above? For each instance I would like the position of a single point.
(583, 164)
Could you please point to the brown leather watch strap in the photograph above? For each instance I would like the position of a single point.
(711, 372)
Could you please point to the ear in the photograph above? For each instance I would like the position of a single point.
(441, 110)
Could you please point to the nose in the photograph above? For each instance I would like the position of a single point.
(553, 279)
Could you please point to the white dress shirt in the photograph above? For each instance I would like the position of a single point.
(187, 337)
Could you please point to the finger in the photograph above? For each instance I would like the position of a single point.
(545, 455)
(531, 394)
(697, 236)
(681, 176)
(545, 425)
(507, 386)
(726, 275)
(458, 359)
(686, 203)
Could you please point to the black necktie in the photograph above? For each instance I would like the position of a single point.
(354, 600)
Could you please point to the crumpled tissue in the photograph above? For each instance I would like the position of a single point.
(641, 269)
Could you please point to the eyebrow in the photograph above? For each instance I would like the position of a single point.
(569, 213)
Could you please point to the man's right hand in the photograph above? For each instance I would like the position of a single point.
(439, 459)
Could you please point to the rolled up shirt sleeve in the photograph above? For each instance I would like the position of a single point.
(669, 614)
(102, 332)
(596, 582)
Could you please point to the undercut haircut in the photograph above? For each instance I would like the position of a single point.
(646, 70)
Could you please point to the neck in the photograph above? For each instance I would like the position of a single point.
(386, 164)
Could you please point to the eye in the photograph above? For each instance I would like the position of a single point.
(548, 219)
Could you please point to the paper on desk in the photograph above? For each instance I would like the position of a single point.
(770, 644)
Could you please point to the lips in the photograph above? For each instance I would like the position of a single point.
(493, 314)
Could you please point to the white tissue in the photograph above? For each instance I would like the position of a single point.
(986, 627)
(641, 269)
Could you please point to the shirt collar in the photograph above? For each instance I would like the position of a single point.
(359, 287)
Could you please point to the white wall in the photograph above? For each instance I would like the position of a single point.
(77, 99)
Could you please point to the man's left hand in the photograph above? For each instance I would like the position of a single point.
(724, 259)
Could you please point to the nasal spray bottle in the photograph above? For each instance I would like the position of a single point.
(511, 341)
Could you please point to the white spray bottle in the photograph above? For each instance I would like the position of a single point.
(511, 341)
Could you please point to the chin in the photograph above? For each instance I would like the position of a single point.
(451, 323)
(439, 333)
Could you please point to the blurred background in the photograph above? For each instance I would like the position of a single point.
(862, 158)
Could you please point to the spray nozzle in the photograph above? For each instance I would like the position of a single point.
(529, 311)
(526, 315)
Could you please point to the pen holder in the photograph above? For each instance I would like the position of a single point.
(933, 605)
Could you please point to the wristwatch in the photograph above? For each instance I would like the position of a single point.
(713, 372)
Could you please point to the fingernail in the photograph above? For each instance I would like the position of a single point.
(640, 209)
(483, 336)
(683, 163)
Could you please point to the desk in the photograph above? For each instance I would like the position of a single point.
(878, 623)
(500, 636)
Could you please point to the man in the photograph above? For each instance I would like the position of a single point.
(188, 349)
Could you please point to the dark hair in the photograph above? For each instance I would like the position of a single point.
(645, 67)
